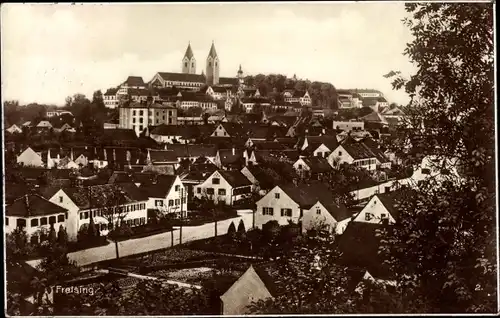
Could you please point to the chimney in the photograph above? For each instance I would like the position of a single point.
(114, 154)
(234, 151)
(71, 154)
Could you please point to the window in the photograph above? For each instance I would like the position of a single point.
(210, 191)
(60, 199)
(192, 64)
(185, 64)
(170, 202)
(300, 167)
(215, 63)
(177, 201)
(267, 211)
(140, 120)
(6, 221)
(198, 190)
(319, 154)
(43, 221)
(368, 216)
(286, 212)
(85, 215)
(158, 202)
(177, 187)
(215, 181)
(133, 113)
(276, 195)
(426, 171)
(140, 113)
(209, 63)
(60, 218)
(52, 219)
(383, 216)
(183, 200)
(34, 222)
(318, 210)
(170, 120)
(21, 223)
(133, 120)
(222, 191)
(340, 153)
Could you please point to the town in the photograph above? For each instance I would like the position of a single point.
(208, 188)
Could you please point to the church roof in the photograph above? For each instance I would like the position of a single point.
(212, 52)
(182, 77)
(189, 52)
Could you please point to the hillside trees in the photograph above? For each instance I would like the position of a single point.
(443, 248)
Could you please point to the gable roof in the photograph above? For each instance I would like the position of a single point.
(235, 178)
(119, 134)
(134, 81)
(182, 77)
(374, 117)
(31, 205)
(111, 92)
(306, 195)
(317, 164)
(229, 81)
(189, 52)
(186, 132)
(226, 156)
(358, 151)
(268, 145)
(160, 156)
(161, 188)
(329, 141)
(86, 199)
(193, 150)
(265, 180)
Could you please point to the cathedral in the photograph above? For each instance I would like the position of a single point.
(189, 79)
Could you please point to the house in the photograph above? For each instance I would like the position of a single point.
(44, 124)
(83, 203)
(348, 125)
(375, 118)
(312, 167)
(229, 158)
(250, 104)
(167, 194)
(110, 98)
(312, 205)
(169, 134)
(380, 209)
(382, 161)
(58, 113)
(14, 129)
(252, 286)
(67, 163)
(264, 132)
(189, 121)
(354, 154)
(133, 82)
(318, 146)
(193, 152)
(228, 130)
(297, 96)
(262, 182)
(60, 127)
(161, 158)
(30, 158)
(34, 214)
(224, 186)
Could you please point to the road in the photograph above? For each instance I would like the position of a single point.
(153, 242)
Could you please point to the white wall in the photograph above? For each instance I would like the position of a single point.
(312, 219)
(30, 158)
(375, 208)
(324, 150)
(72, 221)
(270, 200)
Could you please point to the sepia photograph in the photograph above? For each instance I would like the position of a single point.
(249, 158)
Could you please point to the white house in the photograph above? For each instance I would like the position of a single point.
(262, 182)
(83, 203)
(348, 125)
(30, 158)
(14, 129)
(44, 124)
(224, 186)
(354, 154)
(379, 209)
(312, 166)
(34, 214)
(311, 204)
(167, 195)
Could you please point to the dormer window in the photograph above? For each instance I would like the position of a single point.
(276, 195)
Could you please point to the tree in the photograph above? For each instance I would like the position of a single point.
(231, 231)
(443, 247)
(98, 100)
(52, 234)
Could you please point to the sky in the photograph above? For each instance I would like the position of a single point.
(51, 51)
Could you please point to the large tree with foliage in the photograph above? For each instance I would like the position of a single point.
(443, 247)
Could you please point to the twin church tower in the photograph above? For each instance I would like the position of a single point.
(212, 68)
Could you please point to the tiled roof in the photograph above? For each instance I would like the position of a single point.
(235, 178)
(80, 195)
(111, 91)
(358, 151)
(317, 164)
(228, 81)
(306, 195)
(161, 188)
(226, 156)
(186, 132)
(134, 81)
(265, 132)
(268, 145)
(139, 92)
(265, 180)
(193, 150)
(144, 105)
(160, 156)
(182, 77)
(290, 155)
(329, 141)
(119, 134)
(32, 205)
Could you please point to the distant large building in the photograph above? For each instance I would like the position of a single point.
(138, 116)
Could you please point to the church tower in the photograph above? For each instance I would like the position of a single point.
(241, 80)
(212, 73)
(188, 61)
